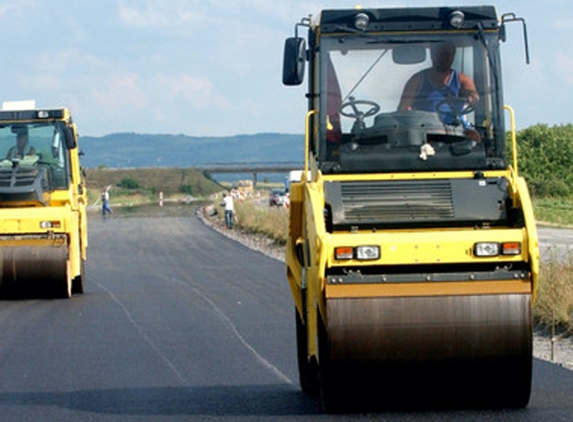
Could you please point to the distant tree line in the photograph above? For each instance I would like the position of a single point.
(545, 159)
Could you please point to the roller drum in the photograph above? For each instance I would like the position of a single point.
(446, 349)
(39, 267)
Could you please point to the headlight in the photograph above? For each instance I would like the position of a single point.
(361, 21)
(367, 253)
(486, 249)
(361, 253)
(50, 224)
(457, 19)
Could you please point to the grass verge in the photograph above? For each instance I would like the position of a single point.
(554, 302)
(254, 216)
(555, 211)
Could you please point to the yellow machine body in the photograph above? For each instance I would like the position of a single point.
(412, 275)
(43, 221)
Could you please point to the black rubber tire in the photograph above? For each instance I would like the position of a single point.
(307, 370)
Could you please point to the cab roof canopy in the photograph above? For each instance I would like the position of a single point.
(34, 115)
(404, 19)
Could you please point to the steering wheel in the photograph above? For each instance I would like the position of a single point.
(356, 112)
(451, 109)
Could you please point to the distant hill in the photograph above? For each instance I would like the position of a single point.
(127, 150)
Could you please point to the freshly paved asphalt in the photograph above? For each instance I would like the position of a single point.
(180, 323)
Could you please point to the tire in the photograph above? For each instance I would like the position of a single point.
(307, 370)
(78, 282)
(332, 400)
(64, 287)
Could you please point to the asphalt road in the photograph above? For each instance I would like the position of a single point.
(555, 243)
(178, 323)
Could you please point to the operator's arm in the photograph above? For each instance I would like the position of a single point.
(409, 94)
(468, 89)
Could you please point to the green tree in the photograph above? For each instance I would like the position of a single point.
(546, 159)
(128, 184)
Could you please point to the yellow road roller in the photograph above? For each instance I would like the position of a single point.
(412, 253)
(43, 221)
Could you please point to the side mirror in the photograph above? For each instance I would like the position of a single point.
(70, 138)
(409, 54)
(294, 61)
(510, 17)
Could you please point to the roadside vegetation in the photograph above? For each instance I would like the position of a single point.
(142, 186)
(554, 303)
(256, 217)
(545, 160)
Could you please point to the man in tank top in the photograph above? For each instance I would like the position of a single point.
(427, 89)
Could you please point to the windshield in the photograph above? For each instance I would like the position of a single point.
(36, 145)
(410, 104)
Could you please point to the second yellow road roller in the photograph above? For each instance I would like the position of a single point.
(43, 221)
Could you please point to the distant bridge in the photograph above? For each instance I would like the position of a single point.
(258, 167)
(253, 168)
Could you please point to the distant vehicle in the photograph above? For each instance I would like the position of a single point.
(278, 198)
(294, 176)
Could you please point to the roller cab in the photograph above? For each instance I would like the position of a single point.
(43, 222)
(412, 254)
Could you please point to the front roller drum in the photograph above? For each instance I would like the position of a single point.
(428, 351)
(44, 268)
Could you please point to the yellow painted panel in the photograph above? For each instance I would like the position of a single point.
(9, 226)
(436, 246)
(427, 289)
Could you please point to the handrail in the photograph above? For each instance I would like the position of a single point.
(513, 137)
(307, 143)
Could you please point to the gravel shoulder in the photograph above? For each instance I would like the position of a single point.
(557, 349)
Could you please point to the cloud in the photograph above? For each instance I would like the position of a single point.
(564, 64)
(15, 7)
(142, 17)
(197, 91)
(214, 13)
(120, 92)
(62, 60)
(153, 14)
(563, 24)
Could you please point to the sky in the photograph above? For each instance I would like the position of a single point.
(214, 67)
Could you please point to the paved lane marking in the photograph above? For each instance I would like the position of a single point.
(142, 333)
(227, 321)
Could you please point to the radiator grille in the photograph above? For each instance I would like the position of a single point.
(396, 201)
(18, 178)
